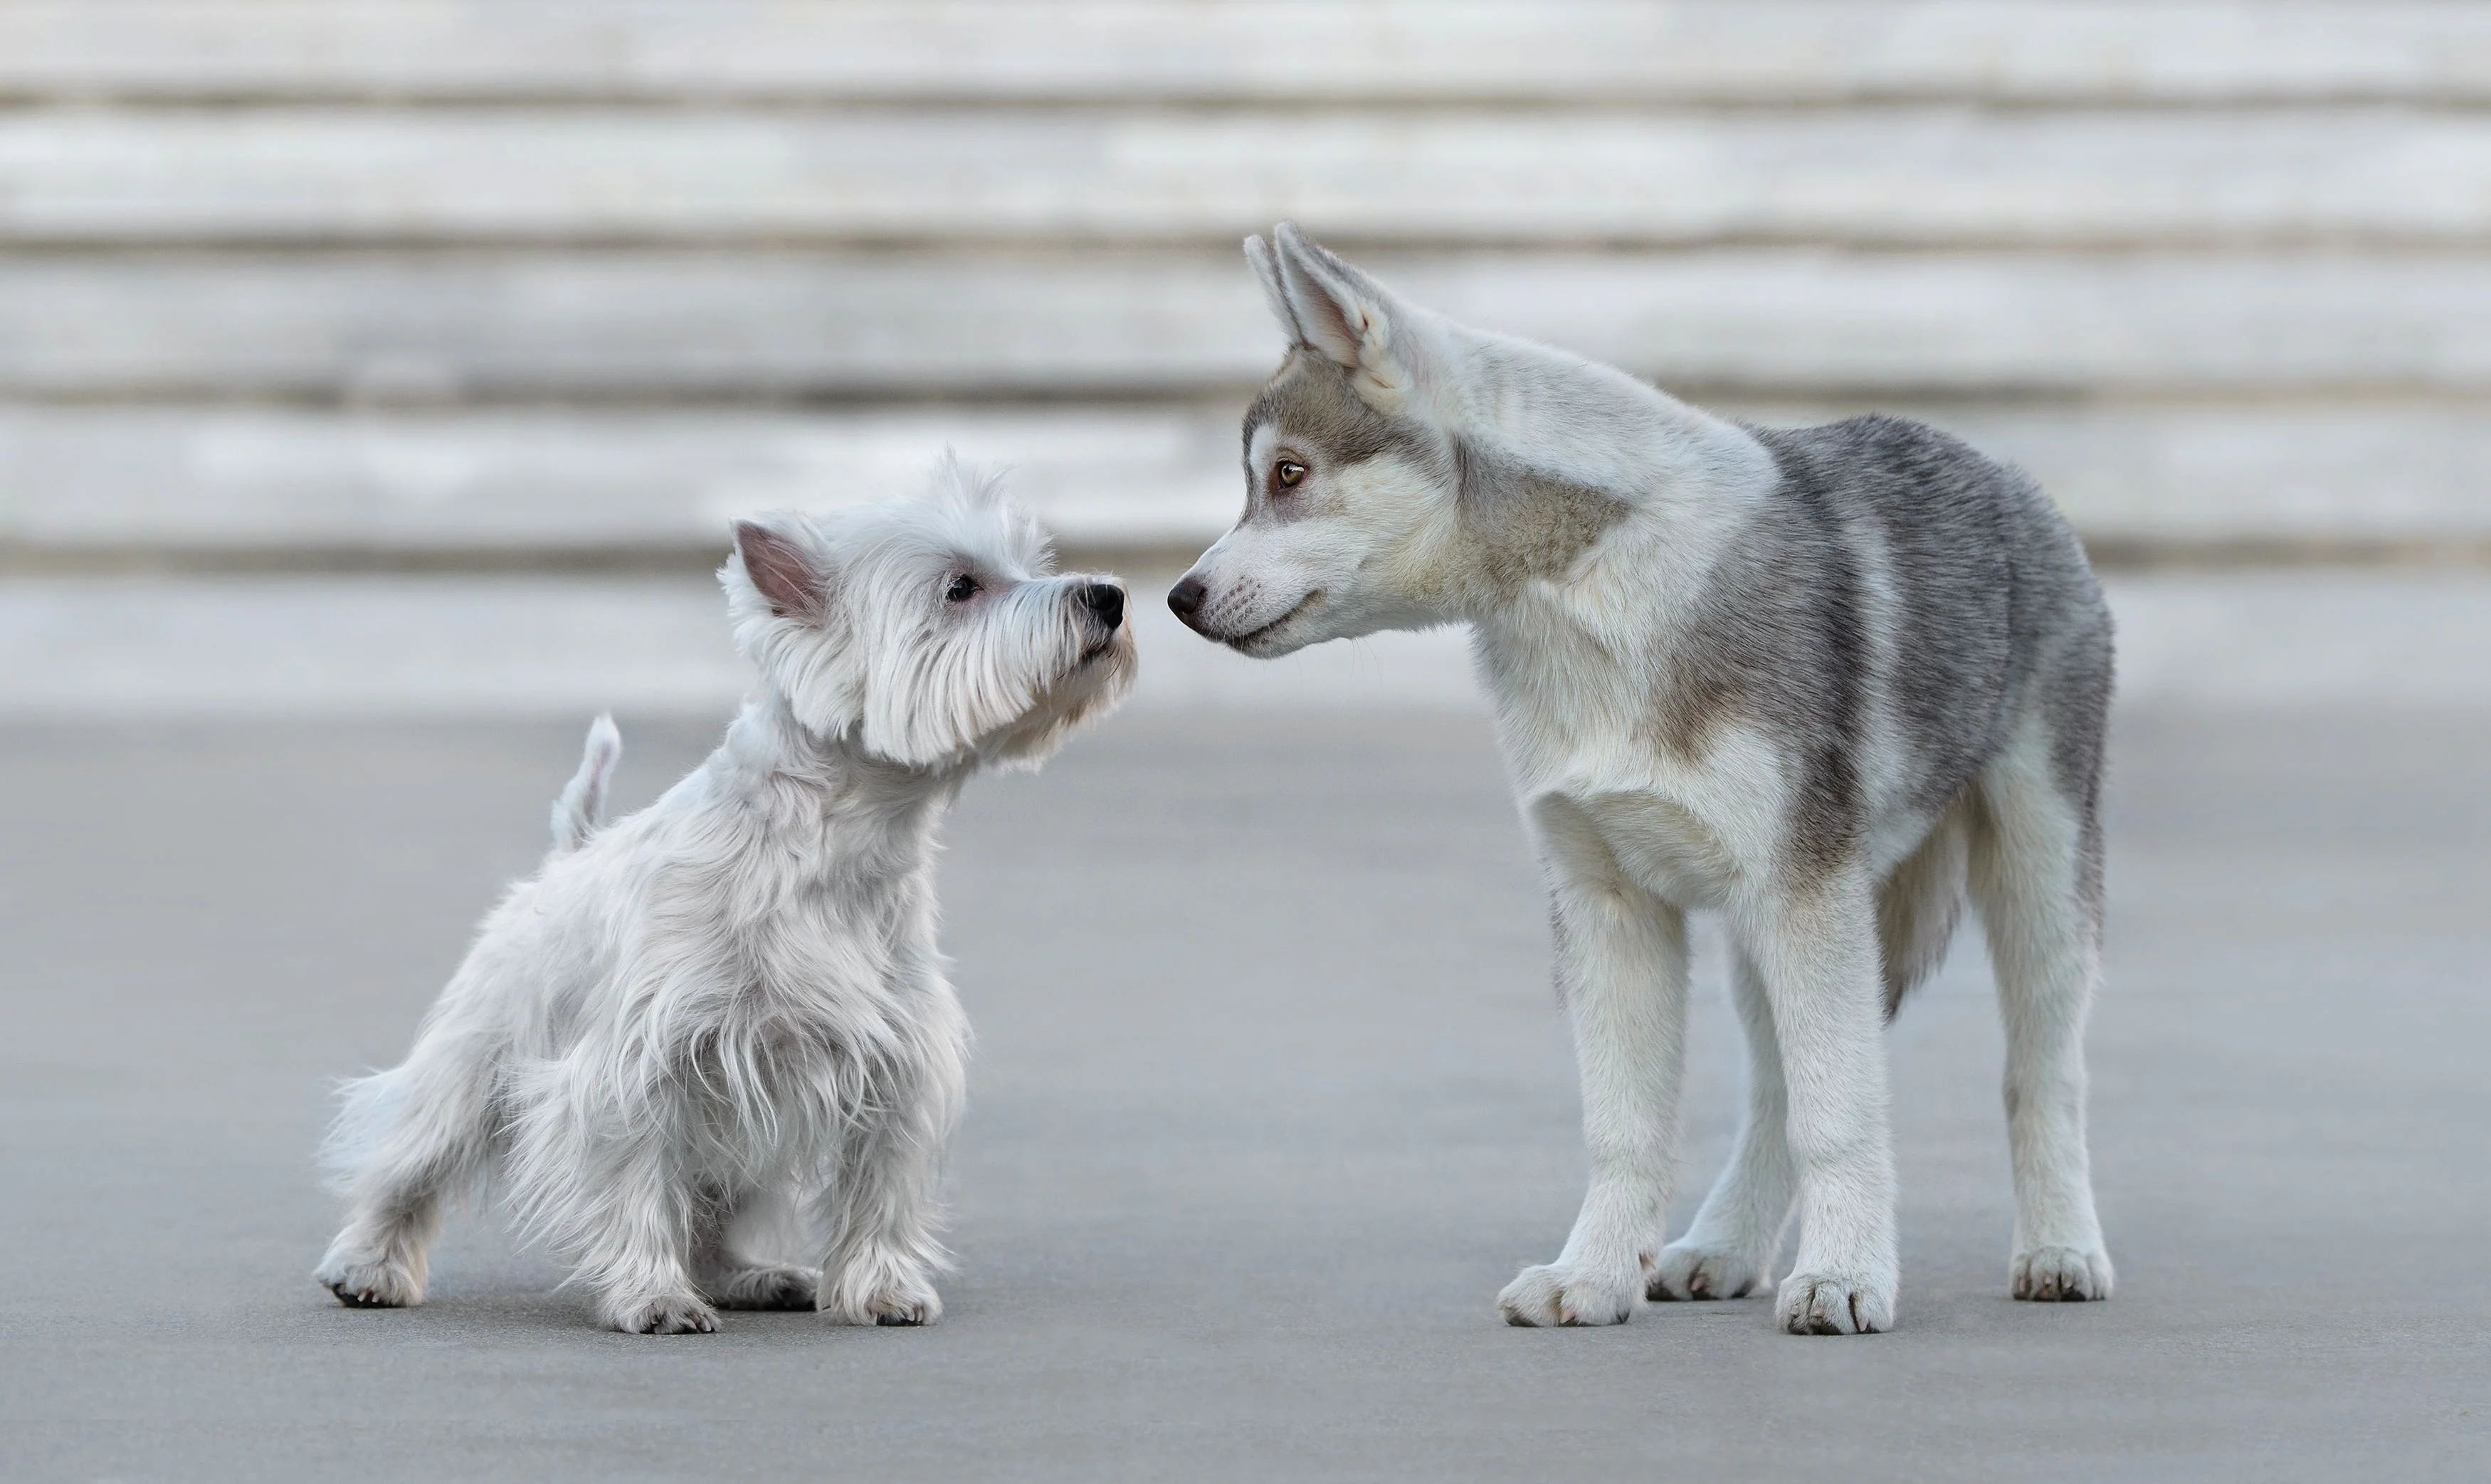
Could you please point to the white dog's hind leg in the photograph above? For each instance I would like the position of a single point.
(731, 1277)
(1622, 963)
(1818, 957)
(405, 1141)
(1728, 1249)
(2037, 905)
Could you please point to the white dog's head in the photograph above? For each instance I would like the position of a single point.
(929, 631)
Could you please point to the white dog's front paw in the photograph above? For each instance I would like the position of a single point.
(665, 1314)
(1836, 1303)
(882, 1291)
(371, 1285)
(2061, 1274)
(1690, 1273)
(1563, 1294)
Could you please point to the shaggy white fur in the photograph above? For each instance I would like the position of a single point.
(724, 1018)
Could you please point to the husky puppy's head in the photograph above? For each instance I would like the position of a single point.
(1348, 479)
(929, 631)
(1403, 470)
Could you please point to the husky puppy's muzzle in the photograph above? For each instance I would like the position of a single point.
(1188, 601)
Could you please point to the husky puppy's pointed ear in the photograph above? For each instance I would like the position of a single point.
(782, 571)
(1267, 278)
(1344, 316)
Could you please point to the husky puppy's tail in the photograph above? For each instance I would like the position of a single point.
(1919, 904)
(580, 811)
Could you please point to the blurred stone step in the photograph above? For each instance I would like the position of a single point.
(719, 325)
(634, 487)
(1889, 176)
(1552, 50)
(398, 646)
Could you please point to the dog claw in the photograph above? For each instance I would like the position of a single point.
(2061, 1275)
(673, 1315)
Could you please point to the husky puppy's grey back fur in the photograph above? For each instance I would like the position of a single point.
(1893, 569)
(1829, 682)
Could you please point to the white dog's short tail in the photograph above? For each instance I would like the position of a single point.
(580, 811)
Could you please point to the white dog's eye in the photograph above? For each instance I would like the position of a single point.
(1287, 473)
(963, 588)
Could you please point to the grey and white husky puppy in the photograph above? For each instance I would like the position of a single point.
(725, 1016)
(1822, 681)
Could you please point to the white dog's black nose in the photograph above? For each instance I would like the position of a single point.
(1105, 599)
(1186, 597)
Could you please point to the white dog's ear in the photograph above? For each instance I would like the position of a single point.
(783, 572)
(1344, 315)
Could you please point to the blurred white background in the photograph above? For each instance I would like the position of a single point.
(409, 354)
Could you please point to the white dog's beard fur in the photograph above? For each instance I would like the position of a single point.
(722, 1024)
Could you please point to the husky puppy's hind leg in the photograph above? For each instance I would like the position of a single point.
(2036, 875)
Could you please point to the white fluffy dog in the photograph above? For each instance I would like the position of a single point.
(725, 1016)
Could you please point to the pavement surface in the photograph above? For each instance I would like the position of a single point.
(1270, 1099)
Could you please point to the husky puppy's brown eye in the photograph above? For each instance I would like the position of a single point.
(1288, 473)
(963, 588)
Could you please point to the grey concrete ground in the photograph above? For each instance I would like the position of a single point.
(1271, 1099)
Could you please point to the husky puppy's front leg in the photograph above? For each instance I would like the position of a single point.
(1816, 952)
(1622, 969)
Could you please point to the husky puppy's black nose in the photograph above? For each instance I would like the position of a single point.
(1105, 599)
(1186, 597)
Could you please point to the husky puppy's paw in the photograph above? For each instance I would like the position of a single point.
(1689, 1272)
(374, 1285)
(666, 1314)
(766, 1287)
(882, 1291)
(1568, 1295)
(2061, 1275)
(1835, 1303)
